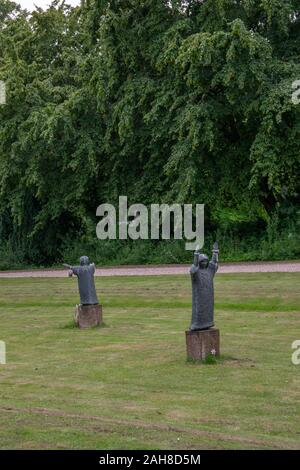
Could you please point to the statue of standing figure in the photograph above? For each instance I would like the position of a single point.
(86, 283)
(202, 273)
(89, 313)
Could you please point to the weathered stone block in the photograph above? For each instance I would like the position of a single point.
(87, 316)
(199, 344)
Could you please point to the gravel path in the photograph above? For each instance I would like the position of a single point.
(262, 267)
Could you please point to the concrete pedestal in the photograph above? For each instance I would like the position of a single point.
(199, 344)
(87, 316)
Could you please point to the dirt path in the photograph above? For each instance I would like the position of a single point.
(261, 267)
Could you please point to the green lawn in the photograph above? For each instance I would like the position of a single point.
(128, 385)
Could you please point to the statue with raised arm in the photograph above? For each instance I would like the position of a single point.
(86, 284)
(202, 273)
(89, 312)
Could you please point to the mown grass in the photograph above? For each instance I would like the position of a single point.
(128, 385)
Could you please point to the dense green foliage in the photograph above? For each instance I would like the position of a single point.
(163, 101)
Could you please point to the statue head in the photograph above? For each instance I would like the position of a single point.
(84, 261)
(203, 261)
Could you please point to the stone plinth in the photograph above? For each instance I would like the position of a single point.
(199, 344)
(87, 316)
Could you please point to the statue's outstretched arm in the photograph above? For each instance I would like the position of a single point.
(70, 268)
(215, 256)
(195, 266)
(73, 270)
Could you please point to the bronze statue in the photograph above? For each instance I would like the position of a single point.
(85, 276)
(202, 273)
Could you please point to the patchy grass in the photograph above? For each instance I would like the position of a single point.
(129, 386)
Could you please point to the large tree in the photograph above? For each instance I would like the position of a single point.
(186, 101)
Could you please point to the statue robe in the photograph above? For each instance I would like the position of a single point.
(203, 296)
(86, 284)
